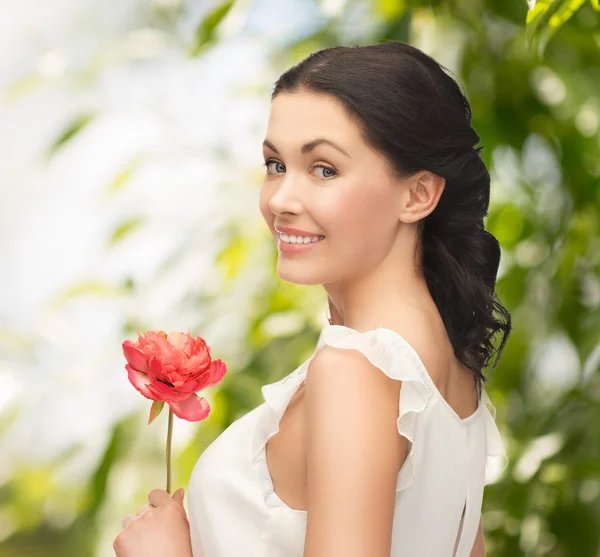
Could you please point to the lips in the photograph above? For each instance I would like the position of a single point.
(295, 231)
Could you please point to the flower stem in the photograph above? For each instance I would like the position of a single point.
(169, 435)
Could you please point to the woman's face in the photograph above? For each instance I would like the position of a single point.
(345, 194)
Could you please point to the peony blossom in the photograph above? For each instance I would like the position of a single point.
(172, 368)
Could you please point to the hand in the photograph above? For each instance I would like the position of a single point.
(160, 529)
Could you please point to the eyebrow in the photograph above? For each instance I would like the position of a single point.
(308, 147)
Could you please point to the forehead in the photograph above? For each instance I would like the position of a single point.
(305, 115)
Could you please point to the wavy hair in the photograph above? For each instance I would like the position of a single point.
(411, 110)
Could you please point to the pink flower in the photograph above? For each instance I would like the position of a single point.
(172, 368)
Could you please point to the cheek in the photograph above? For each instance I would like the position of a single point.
(263, 204)
(361, 226)
(359, 210)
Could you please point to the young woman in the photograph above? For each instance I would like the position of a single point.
(380, 444)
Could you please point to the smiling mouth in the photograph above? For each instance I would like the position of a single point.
(321, 238)
(314, 238)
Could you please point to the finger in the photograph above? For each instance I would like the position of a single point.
(158, 497)
(178, 497)
(127, 520)
(143, 509)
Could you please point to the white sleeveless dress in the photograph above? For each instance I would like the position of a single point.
(234, 511)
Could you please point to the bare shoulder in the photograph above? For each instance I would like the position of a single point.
(345, 369)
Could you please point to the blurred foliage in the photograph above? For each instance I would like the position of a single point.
(532, 74)
(546, 17)
(70, 132)
(205, 33)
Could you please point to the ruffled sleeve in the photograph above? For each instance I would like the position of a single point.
(384, 350)
(496, 459)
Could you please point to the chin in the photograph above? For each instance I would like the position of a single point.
(300, 278)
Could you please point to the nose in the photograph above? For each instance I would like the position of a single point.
(286, 198)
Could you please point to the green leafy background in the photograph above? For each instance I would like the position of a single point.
(532, 74)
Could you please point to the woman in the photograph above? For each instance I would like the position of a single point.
(382, 441)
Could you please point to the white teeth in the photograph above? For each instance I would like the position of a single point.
(291, 239)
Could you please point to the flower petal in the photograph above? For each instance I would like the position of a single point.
(140, 381)
(155, 369)
(213, 375)
(166, 393)
(190, 386)
(193, 409)
(196, 364)
(135, 357)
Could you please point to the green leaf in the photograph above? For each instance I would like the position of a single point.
(123, 177)
(546, 18)
(155, 410)
(595, 4)
(71, 131)
(206, 30)
(125, 228)
(565, 11)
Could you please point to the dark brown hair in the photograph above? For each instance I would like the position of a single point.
(410, 109)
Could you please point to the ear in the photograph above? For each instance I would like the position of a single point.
(422, 194)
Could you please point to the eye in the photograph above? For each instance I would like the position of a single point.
(327, 172)
(268, 162)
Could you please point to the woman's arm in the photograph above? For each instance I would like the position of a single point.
(353, 455)
(479, 545)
